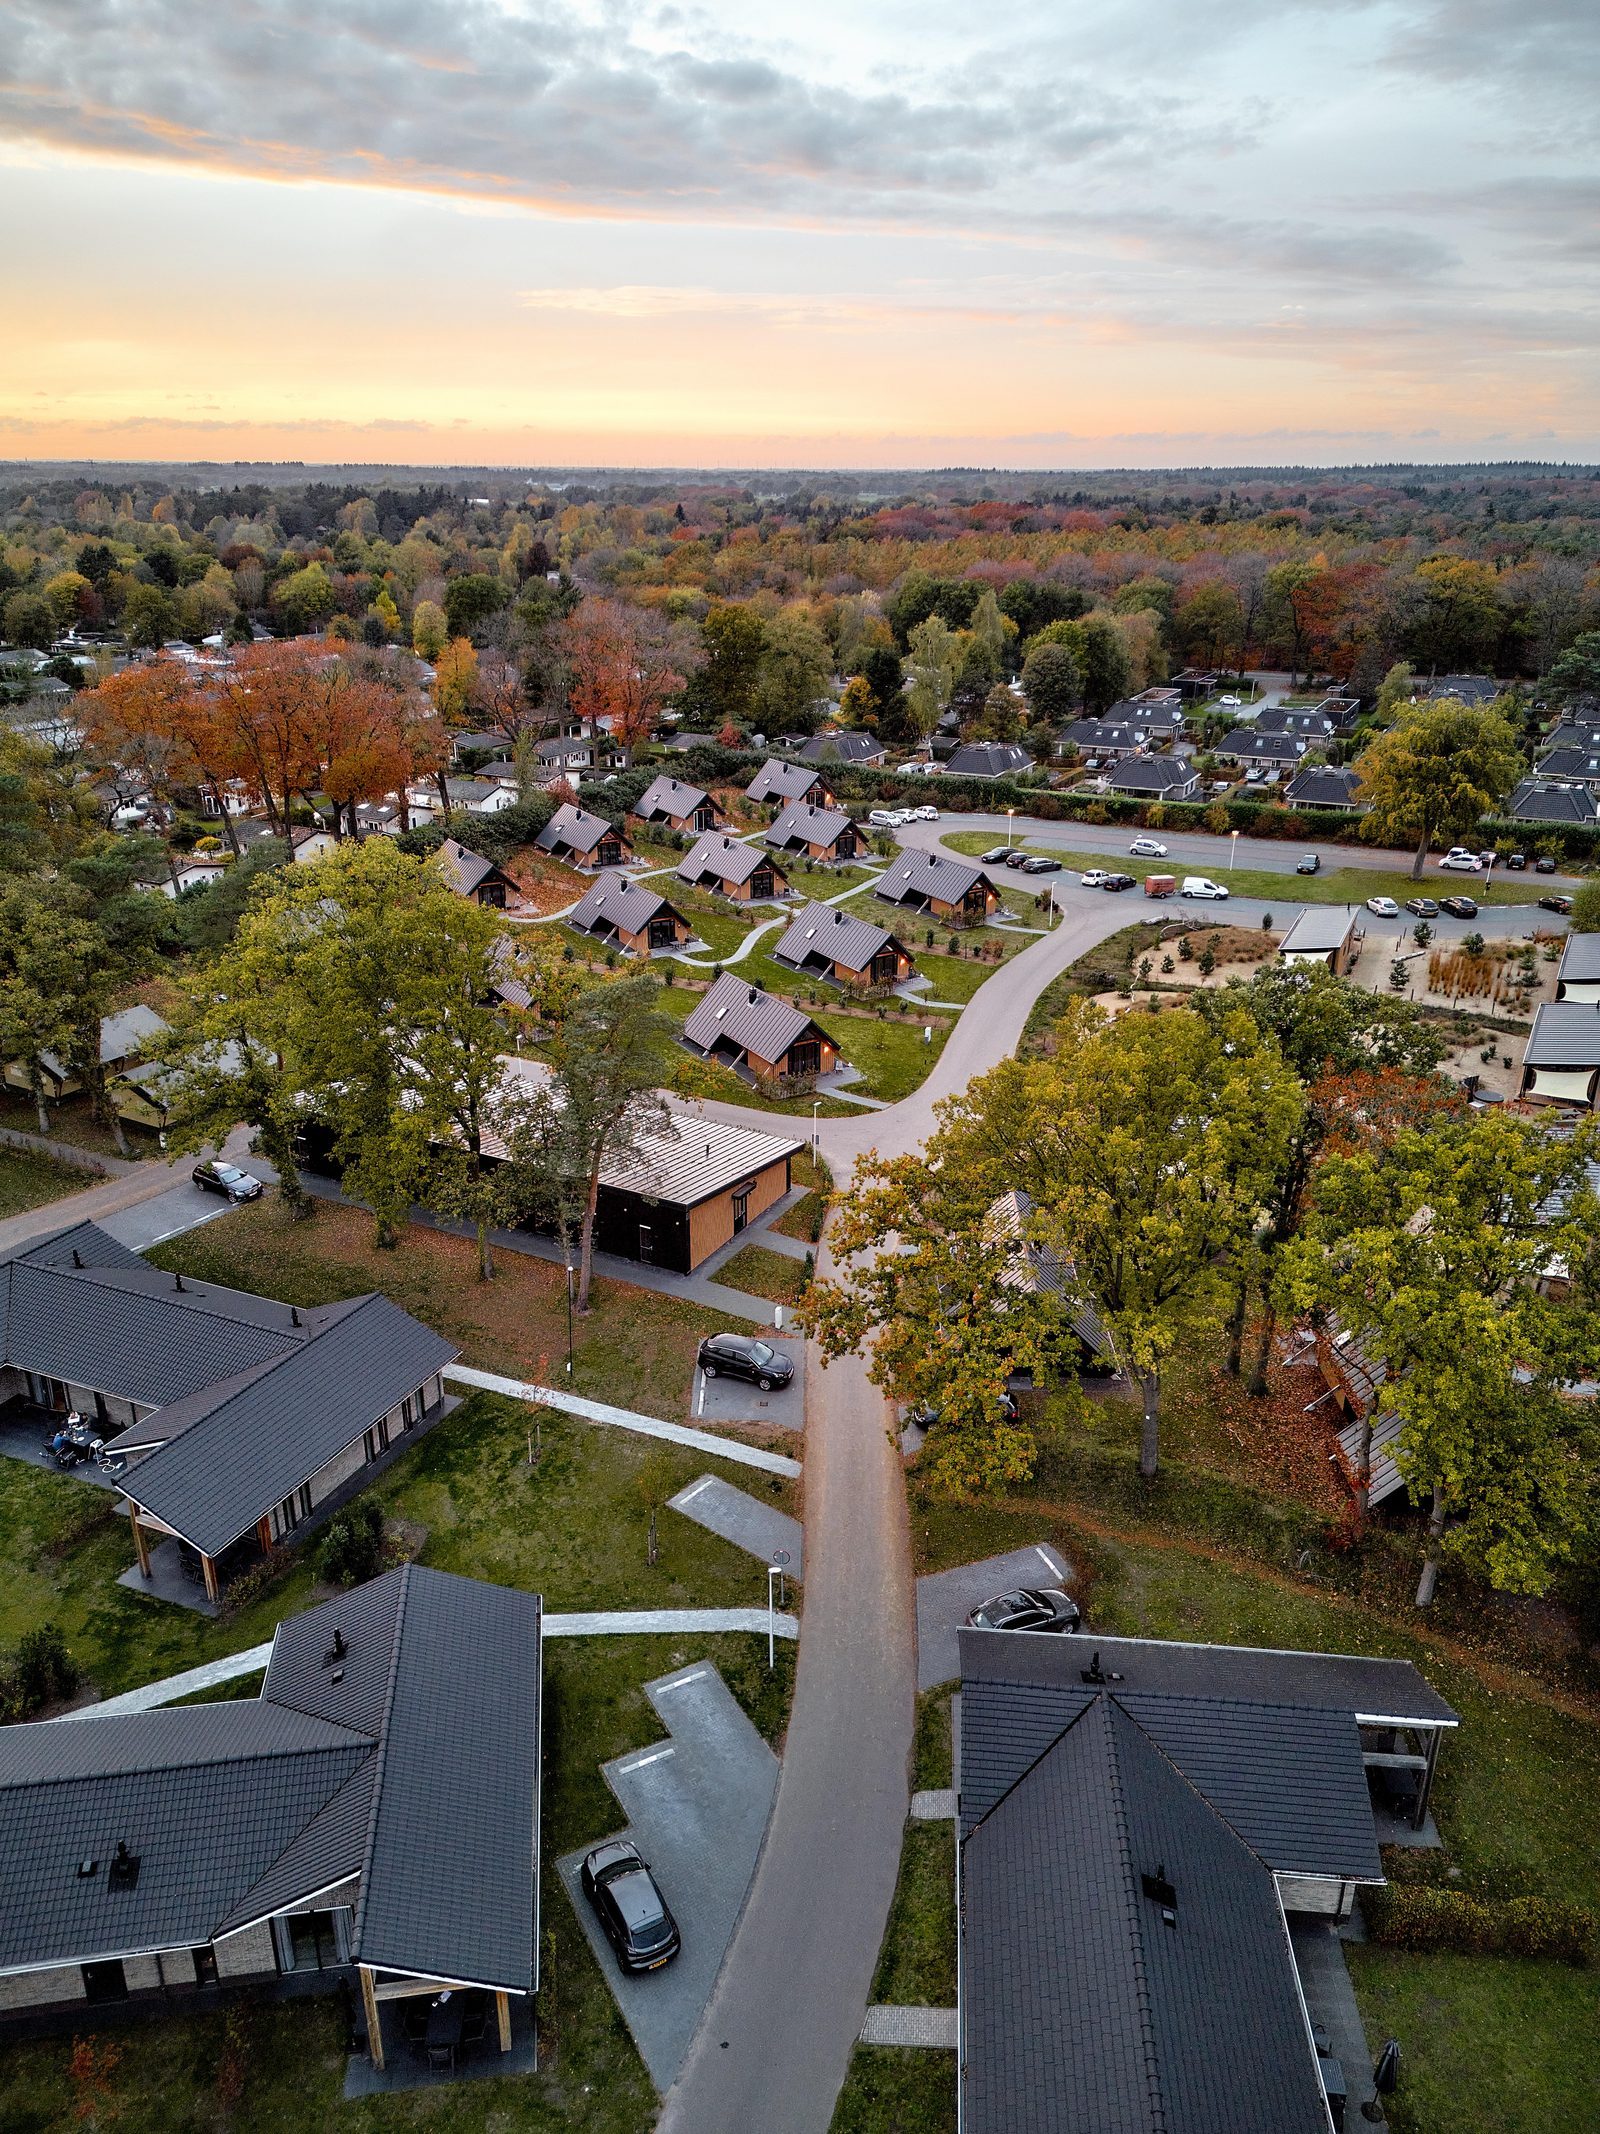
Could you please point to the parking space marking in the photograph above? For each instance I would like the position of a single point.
(1050, 1563)
(683, 1681)
(183, 1229)
(654, 1757)
(700, 1397)
(695, 1488)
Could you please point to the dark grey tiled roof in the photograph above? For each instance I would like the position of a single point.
(573, 828)
(329, 1849)
(1263, 747)
(1304, 725)
(782, 781)
(1095, 736)
(1534, 801)
(736, 1013)
(1566, 1033)
(824, 930)
(917, 877)
(1085, 2011)
(802, 824)
(989, 759)
(834, 747)
(1323, 786)
(669, 796)
(1467, 688)
(614, 901)
(719, 857)
(1153, 774)
(298, 1677)
(93, 1246)
(261, 1438)
(1571, 762)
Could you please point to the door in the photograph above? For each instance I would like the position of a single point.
(647, 1244)
(805, 1058)
(105, 1982)
(307, 1941)
(205, 1965)
(741, 1210)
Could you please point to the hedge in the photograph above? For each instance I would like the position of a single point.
(1401, 1916)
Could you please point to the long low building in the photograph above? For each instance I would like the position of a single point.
(1145, 1831)
(1562, 1062)
(687, 1188)
(243, 1420)
(371, 1819)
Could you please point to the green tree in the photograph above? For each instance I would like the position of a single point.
(304, 600)
(1001, 716)
(470, 600)
(29, 622)
(1586, 909)
(1577, 672)
(1101, 651)
(430, 632)
(795, 665)
(148, 616)
(885, 679)
(1433, 773)
(69, 597)
(932, 666)
(1459, 620)
(54, 972)
(1397, 688)
(1052, 683)
(734, 637)
(1209, 626)
(1435, 1254)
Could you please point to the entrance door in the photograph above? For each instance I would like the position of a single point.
(647, 1244)
(805, 1057)
(741, 1210)
(105, 1981)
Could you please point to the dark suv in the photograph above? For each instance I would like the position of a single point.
(1031, 1608)
(226, 1179)
(743, 1356)
(639, 1926)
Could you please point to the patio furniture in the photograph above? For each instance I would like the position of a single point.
(441, 2059)
(475, 2026)
(443, 2034)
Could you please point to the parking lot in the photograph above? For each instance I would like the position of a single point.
(946, 1598)
(696, 1807)
(737, 1400)
(760, 1529)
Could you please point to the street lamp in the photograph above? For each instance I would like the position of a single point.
(1233, 851)
(816, 1109)
(1010, 818)
(569, 1318)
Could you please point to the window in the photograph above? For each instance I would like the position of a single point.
(408, 1412)
(312, 1941)
(741, 1210)
(105, 1981)
(293, 1509)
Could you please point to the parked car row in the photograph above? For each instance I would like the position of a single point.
(895, 818)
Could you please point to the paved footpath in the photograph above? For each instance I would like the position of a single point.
(597, 1411)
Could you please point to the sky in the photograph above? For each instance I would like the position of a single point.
(852, 233)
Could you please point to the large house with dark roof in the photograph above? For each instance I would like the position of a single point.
(989, 759)
(1537, 800)
(1156, 778)
(583, 840)
(780, 783)
(630, 916)
(370, 1819)
(243, 1421)
(1572, 764)
(770, 1039)
(826, 942)
(745, 874)
(1148, 1834)
(948, 889)
(1325, 786)
(688, 809)
(834, 745)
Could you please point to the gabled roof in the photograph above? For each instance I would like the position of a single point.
(465, 871)
(1323, 786)
(722, 858)
(1534, 801)
(1091, 2005)
(396, 1737)
(669, 796)
(575, 828)
(1152, 774)
(1571, 761)
(918, 877)
(1580, 959)
(988, 759)
(801, 823)
(1565, 1033)
(1466, 688)
(841, 937)
(618, 902)
(782, 781)
(736, 1013)
(1035, 1268)
(833, 746)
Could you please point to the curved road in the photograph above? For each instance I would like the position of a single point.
(772, 2050)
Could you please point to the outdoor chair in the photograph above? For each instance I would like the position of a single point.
(441, 2059)
(475, 2026)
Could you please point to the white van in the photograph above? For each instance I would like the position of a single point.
(1198, 885)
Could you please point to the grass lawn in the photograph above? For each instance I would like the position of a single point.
(291, 2057)
(897, 2089)
(917, 1964)
(824, 883)
(892, 1055)
(1338, 885)
(635, 1348)
(28, 1181)
(760, 1273)
(1490, 2047)
(954, 978)
(73, 1122)
(804, 1219)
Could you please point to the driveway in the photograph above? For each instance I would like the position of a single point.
(182, 1207)
(696, 1806)
(946, 1598)
(736, 1400)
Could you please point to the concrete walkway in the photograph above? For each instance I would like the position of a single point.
(759, 1529)
(596, 1411)
(938, 1805)
(931, 2027)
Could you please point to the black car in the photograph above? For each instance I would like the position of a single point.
(926, 1416)
(1422, 907)
(1517, 862)
(1545, 865)
(1118, 881)
(996, 856)
(743, 1356)
(1311, 864)
(1018, 857)
(226, 1179)
(1031, 1608)
(1559, 904)
(639, 1926)
(1459, 907)
(1041, 863)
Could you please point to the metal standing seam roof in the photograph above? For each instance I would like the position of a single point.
(782, 781)
(693, 1159)
(396, 1737)
(922, 877)
(575, 828)
(669, 796)
(1565, 1033)
(801, 823)
(839, 936)
(464, 870)
(1035, 1267)
(736, 1013)
(724, 858)
(1090, 2007)
(1580, 959)
(616, 901)
(1320, 930)
(261, 1437)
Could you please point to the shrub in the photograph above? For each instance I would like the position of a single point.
(39, 1672)
(1455, 1921)
(351, 1549)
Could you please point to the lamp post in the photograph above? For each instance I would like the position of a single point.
(1010, 825)
(1233, 851)
(569, 1317)
(815, 1130)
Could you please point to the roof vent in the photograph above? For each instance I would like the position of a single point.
(294, 1315)
(1095, 1674)
(77, 1257)
(755, 995)
(177, 1283)
(1157, 1888)
(337, 1650)
(124, 1868)
(87, 1868)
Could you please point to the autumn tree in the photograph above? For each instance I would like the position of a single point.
(137, 721)
(626, 664)
(430, 633)
(1435, 772)
(1437, 1254)
(733, 638)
